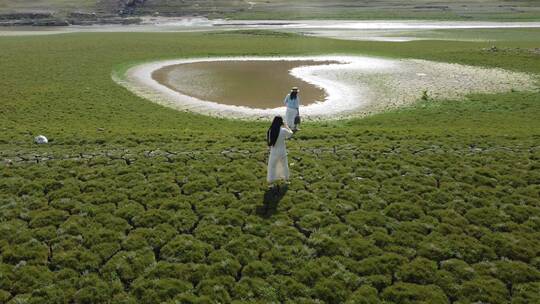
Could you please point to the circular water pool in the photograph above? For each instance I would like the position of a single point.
(331, 86)
(256, 84)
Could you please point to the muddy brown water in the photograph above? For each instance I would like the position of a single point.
(255, 84)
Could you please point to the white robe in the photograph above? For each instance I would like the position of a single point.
(290, 115)
(292, 110)
(278, 167)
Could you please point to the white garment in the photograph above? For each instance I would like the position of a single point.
(278, 167)
(290, 115)
(292, 103)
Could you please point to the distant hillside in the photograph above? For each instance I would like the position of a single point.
(81, 10)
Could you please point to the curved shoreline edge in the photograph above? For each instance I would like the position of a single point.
(139, 80)
(356, 86)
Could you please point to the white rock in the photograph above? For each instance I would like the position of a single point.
(40, 139)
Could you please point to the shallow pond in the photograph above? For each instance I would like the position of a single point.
(254, 87)
(254, 84)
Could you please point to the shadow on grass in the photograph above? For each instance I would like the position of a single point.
(271, 200)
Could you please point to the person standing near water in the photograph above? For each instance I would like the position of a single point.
(278, 167)
(292, 102)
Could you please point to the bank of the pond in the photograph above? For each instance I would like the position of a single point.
(355, 85)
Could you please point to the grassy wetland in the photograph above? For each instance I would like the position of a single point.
(132, 202)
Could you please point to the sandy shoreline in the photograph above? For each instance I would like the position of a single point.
(356, 86)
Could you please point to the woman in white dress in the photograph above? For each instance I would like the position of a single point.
(278, 168)
(292, 102)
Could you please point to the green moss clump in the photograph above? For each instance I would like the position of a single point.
(184, 220)
(404, 211)
(515, 246)
(26, 278)
(247, 247)
(378, 281)
(151, 218)
(79, 259)
(33, 252)
(469, 249)
(327, 245)
(331, 291)
(217, 288)
(419, 271)
(92, 289)
(261, 269)
(159, 290)
(364, 295)
(459, 269)
(128, 210)
(488, 216)
(255, 290)
(413, 293)
(216, 235)
(42, 218)
(327, 267)
(190, 272)
(155, 237)
(128, 265)
(509, 272)
(484, 289)
(364, 221)
(106, 250)
(288, 288)
(185, 249)
(387, 263)
(526, 293)
(225, 267)
(4, 296)
(189, 298)
(199, 183)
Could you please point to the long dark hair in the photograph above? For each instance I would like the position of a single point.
(294, 94)
(273, 131)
